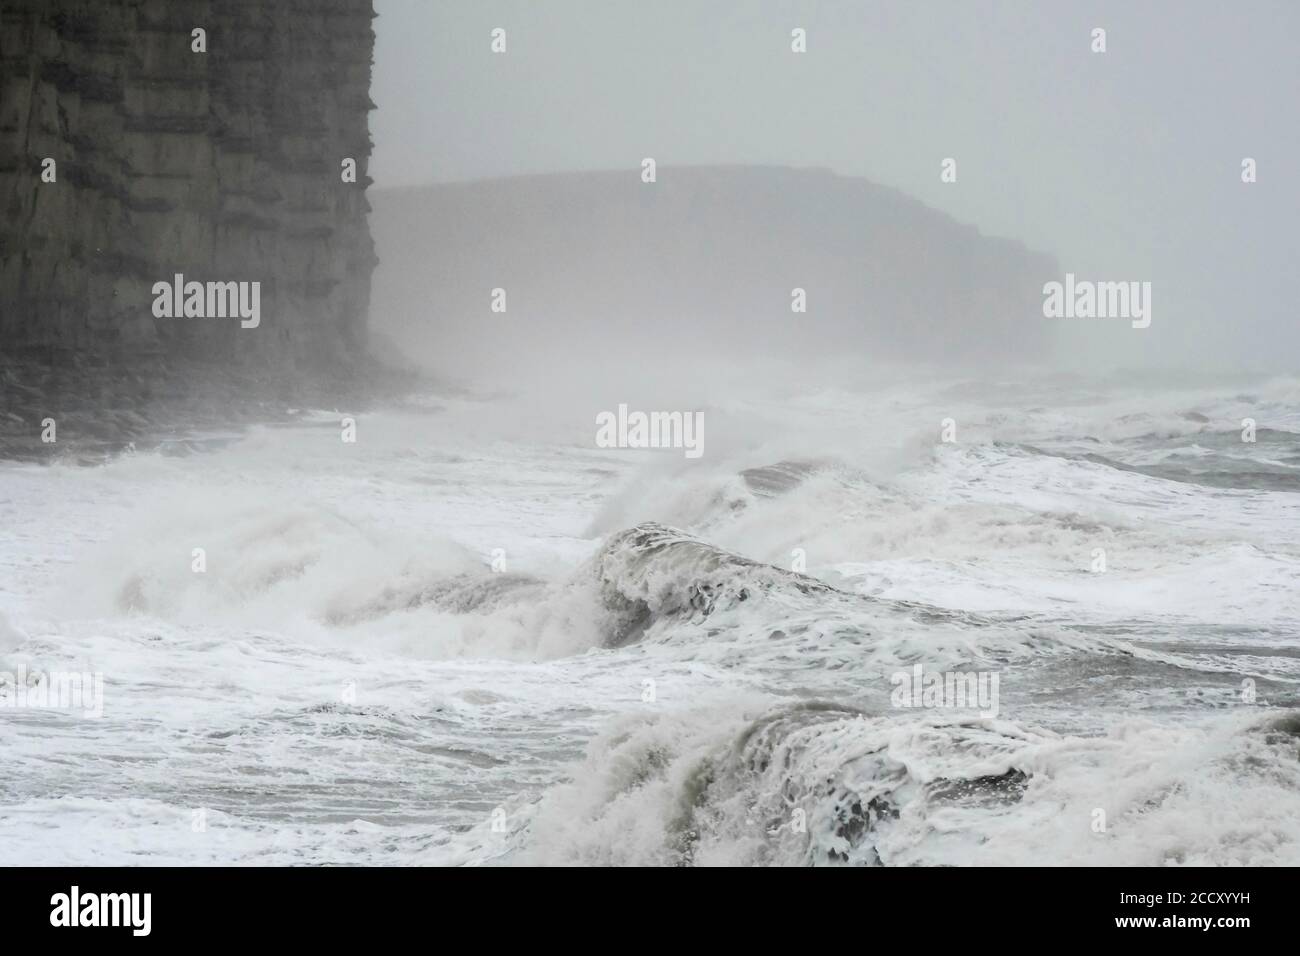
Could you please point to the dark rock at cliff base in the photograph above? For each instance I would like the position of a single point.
(176, 405)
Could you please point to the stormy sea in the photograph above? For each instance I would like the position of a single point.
(455, 630)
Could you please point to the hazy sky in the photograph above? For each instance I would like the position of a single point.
(1124, 164)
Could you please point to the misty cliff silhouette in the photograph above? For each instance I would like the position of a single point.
(704, 259)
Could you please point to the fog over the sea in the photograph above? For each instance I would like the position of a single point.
(1124, 165)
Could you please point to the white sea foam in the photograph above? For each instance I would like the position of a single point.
(474, 637)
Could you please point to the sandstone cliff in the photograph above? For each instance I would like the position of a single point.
(222, 165)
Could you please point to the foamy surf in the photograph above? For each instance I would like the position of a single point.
(475, 646)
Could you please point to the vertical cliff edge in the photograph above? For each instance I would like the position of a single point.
(222, 165)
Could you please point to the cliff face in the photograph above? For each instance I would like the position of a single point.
(224, 166)
(705, 258)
